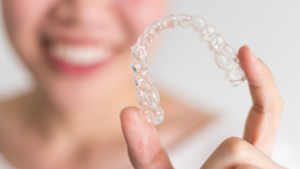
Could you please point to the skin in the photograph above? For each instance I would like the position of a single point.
(69, 120)
(251, 152)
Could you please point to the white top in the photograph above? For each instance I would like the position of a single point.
(193, 152)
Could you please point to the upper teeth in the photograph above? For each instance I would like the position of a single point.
(80, 55)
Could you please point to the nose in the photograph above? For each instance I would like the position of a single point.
(84, 12)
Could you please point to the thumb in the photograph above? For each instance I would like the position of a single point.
(144, 147)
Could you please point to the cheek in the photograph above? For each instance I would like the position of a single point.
(22, 13)
(141, 13)
(22, 19)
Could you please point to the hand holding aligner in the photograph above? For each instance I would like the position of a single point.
(225, 57)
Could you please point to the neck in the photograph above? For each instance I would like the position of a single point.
(84, 121)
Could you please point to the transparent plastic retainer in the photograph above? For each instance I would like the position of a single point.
(225, 58)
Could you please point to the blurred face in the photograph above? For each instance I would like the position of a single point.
(78, 50)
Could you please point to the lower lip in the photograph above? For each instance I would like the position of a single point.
(72, 69)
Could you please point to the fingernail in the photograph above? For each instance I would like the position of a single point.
(123, 109)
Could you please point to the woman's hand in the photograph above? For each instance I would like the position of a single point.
(252, 152)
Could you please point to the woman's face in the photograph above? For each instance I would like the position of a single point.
(78, 50)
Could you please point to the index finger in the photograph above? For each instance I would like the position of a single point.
(264, 116)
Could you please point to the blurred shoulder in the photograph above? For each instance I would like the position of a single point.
(11, 104)
(6, 105)
(11, 108)
(9, 121)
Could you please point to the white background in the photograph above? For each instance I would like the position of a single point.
(184, 67)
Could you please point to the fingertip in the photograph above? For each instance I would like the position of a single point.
(128, 111)
(245, 49)
(141, 138)
(133, 125)
(245, 54)
(129, 118)
(252, 66)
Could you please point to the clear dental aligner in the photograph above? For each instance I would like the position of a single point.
(224, 56)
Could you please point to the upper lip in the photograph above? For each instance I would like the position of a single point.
(75, 41)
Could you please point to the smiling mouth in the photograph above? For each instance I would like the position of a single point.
(75, 57)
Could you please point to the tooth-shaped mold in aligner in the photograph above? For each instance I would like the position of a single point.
(225, 58)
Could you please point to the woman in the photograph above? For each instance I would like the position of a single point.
(79, 52)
